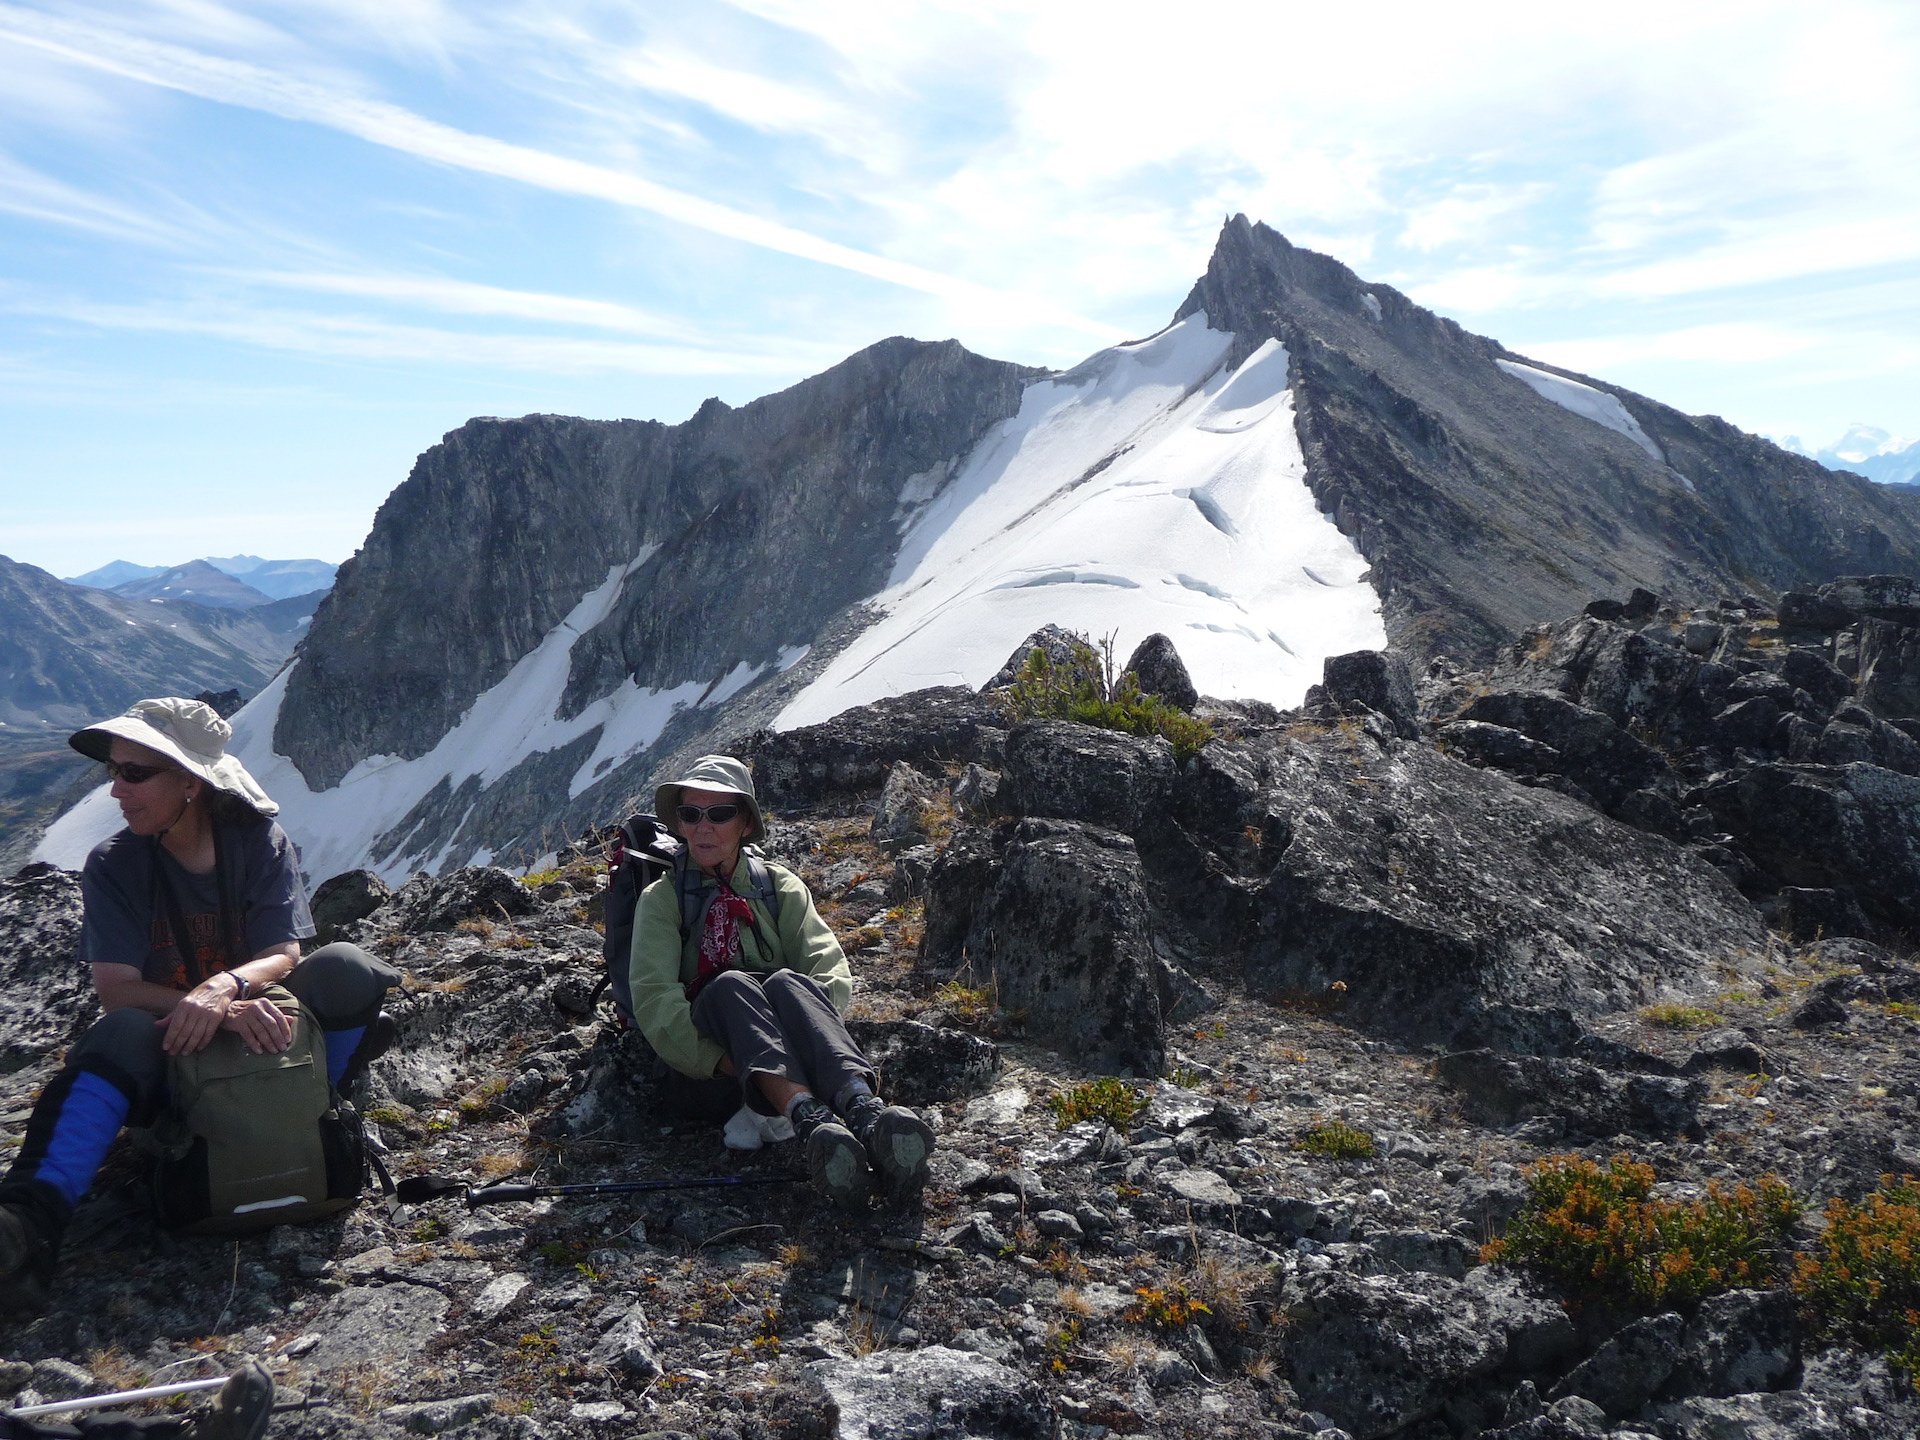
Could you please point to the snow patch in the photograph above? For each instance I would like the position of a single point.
(1372, 302)
(1585, 401)
(1151, 462)
(514, 719)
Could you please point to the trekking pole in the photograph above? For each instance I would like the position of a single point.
(418, 1188)
(122, 1397)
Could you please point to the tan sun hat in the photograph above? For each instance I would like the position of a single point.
(713, 772)
(188, 732)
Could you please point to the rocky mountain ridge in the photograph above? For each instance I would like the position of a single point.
(1479, 506)
(1641, 885)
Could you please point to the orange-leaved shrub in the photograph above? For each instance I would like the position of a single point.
(1599, 1235)
(1862, 1281)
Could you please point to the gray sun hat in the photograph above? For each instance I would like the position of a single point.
(188, 732)
(713, 772)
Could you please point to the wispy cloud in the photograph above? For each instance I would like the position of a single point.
(352, 337)
(462, 297)
(27, 192)
(378, 122)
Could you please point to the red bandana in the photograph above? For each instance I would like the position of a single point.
(720, 937)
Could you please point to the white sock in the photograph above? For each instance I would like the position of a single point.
(794, 1103)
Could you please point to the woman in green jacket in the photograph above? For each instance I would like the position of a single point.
(743, 978)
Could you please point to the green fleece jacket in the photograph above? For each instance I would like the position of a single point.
(663, 965)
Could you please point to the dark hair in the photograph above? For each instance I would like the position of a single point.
(225, 808)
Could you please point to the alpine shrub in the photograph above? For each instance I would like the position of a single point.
(1108, 1098)
(1600, 1236)
(1335, 1140)
(1083, 687)
(1862, 1281)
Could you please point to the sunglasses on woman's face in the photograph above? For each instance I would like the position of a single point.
(718, 814)
(132, 772)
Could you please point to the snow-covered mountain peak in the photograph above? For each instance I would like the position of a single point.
(1152, 488)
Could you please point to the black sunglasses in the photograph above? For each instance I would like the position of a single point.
(718, 814)
(134, 773)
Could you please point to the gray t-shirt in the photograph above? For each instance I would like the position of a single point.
(125, 922)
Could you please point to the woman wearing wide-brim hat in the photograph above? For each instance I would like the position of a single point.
(190, 912)
(734, 973)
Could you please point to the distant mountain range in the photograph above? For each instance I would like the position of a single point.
(231, 582)
(1870, 451)
(72, 652)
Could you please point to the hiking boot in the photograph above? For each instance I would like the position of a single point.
(836, 1162)
(28, 1249)
(241, 1412)
(896, 1140)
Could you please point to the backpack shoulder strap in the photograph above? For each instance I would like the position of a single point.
(762, 882)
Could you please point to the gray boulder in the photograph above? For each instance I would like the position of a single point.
(935, 1393)
(1378, 1354)
(900, 814)
(1595, 753)
(1890, 669)
(1062, 926)
(50, 998)
(1629, 1369)
(1076, 772)
(478, 892)
(1376, 679)
(1741, 1341)
(1854, 828)
(925, 1065)
(853, 753)
(1058, 645)
(1160, 671)
(1430, 889)
(345, 899)
(1502, 1089)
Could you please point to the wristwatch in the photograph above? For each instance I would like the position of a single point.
(241, 981)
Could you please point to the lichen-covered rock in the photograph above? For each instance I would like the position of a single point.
(923, 1064)
(1065, 932)
(49, 993)
(345, 899)
(1071, 771)
(1629, 1369)
(900, 814)
(937, 1393)
(479, 892)
(1157, 665)
(1380, 1354)
(1379, 680)
(1428, 888)
(853, 753)
(1595, 753)
(1504, 1088)
(1853, 827)
(1741, 1341)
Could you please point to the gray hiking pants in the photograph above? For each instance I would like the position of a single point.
(780, 1024)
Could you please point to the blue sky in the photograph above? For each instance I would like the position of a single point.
(255, 257)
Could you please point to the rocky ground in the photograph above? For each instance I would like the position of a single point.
(1244, 947)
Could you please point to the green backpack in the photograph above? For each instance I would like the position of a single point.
(250, 1141)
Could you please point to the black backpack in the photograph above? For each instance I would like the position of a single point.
(644, 849)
